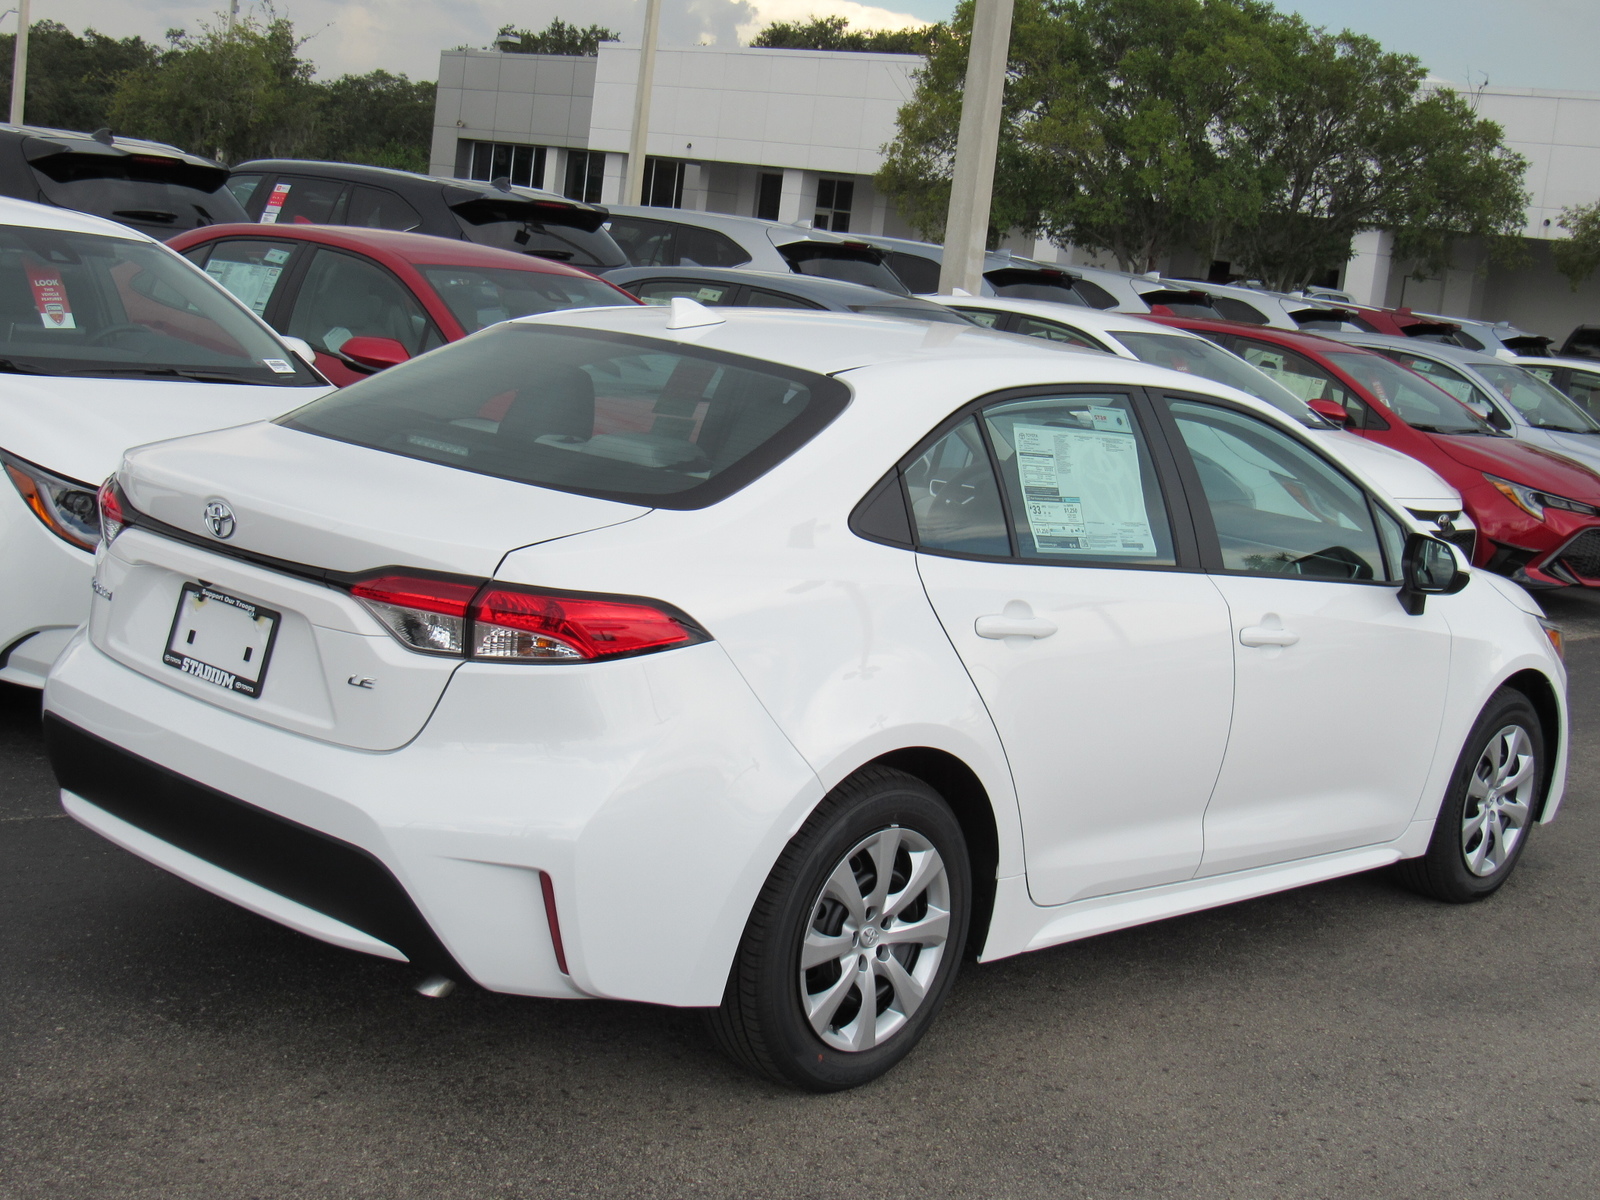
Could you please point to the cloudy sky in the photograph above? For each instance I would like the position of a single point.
(1534, 43)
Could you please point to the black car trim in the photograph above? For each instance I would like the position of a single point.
(321, 872)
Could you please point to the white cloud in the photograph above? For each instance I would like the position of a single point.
(356, 36)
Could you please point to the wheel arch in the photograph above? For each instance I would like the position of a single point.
(1541, 693)
(964, 792)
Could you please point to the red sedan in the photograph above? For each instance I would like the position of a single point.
(1538, 515)
(366, 299)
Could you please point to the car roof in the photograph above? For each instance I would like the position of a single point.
(419, 249)
(1094, 320)
(1306, 343)
(47, 216)
(1572, 362)
(1422, 347)
(815, 287)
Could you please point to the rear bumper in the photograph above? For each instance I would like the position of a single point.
(655, 793)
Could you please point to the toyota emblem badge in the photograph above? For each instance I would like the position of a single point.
(219, 518)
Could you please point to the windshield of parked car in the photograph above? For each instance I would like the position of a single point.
(88, 304)
(1409, 396)
(1540, 404)
(479, 296)
(1196, 356)
(626, 418)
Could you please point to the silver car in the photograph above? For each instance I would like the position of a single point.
(676, 237)
(1512, 398)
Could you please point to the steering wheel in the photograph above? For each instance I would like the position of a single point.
(110, 331)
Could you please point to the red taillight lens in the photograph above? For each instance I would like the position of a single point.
(515, 624)
(425, 614)
(113, 516)
(495, 623)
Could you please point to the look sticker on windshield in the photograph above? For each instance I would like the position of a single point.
(275, 202)
(1082, 489)
(50, 297)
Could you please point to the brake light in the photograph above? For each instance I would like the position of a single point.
(113, 513)
(423, 613)
(496, 623)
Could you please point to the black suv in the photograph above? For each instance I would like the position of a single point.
(157, 189)
(491, 214)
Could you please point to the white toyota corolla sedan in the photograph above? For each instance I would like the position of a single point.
(107, 340)
(769, 662)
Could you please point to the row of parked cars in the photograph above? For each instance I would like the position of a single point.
(755, 636)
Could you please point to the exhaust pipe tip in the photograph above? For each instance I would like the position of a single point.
(436, 987)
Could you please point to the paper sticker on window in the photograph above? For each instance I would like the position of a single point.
(277, 256)
(1082, 490)
(251, 282)
(278, 365)
(709, 295)
(50, 297)
(275, 202)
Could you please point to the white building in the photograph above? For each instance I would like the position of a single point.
(798, 134)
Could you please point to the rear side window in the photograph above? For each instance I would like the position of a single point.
(633, 419)
(244, 187)
(761, 298)
(1093, 294)
(664, 291)
(295, 201)
(374, 208)
(697, 247)
(1238, 310)
(250, 269)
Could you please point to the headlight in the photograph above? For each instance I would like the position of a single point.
(1534, 502)
(67, 508)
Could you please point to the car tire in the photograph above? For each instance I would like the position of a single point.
(1484, 822)
(806, 1021)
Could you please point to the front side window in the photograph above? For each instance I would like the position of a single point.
(1079, 481)
(1541, 405)
(1278, 508)
(698, 247)
(1448, 378)
(343, 296)
(480, 296)
(1052, 332)
(87, 304)
(296, 201)
(251, 269)
(761, 298)
(1584, 388)
(1411, 398)
(634, 419)
(665, 291)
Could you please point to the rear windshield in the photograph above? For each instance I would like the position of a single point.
(528, 228)
(158, 196)
(841, 262)
(1196, 356)
(86, 304)
(479, 296)
(633, 419)
(1019, 284)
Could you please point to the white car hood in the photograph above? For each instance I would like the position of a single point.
(1581, 448)
(79, 427)
(1405, 479)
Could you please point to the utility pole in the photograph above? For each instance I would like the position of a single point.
(966, 227)
(633, 187)
(19, 63)
(233, 15)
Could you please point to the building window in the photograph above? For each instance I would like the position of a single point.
(521, 166)
(833, 204)
(769, 196)
(663, 182)
(586, 169)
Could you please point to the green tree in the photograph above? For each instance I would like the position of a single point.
(834, 33)
(557, 38)
(380, 119)
(71, 79)
(248, 95)
(1578, 257)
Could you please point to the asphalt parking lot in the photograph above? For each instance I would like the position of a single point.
(1346, 1040)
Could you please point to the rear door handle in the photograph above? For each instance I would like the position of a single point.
(1266, 635)
(1004, 627)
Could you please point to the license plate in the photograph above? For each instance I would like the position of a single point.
(221, 639)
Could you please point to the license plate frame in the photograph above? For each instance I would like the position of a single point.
(232, 628)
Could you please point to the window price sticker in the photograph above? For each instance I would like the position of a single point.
(275, 202)
(1082, 489)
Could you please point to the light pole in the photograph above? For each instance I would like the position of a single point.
(633, 186)
(966, 227)
(19, 63)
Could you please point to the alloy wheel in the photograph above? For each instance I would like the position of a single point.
(1499, 801)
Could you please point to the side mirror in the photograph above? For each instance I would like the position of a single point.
(1428, 568)
(1337, 413)
(374, 353)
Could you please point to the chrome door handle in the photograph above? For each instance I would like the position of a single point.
(1266, 635)
(1004, 627)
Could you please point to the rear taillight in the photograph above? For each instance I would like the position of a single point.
(495, 623)
(113, 512)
